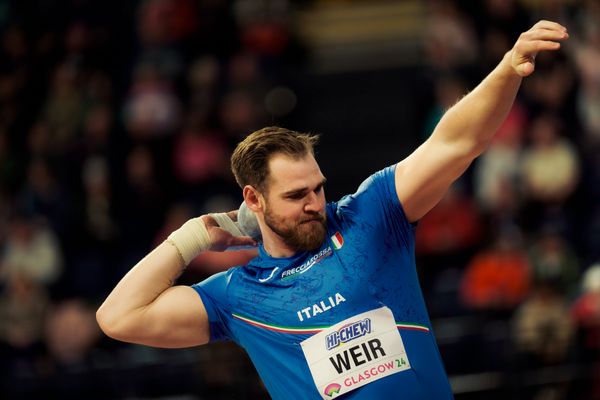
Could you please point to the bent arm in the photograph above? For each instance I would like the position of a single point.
(146, 308)
(467, 128)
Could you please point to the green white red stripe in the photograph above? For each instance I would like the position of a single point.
(314, 329)
(412, 327)
(278, 328)
(337, 240)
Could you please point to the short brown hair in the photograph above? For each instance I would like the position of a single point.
(250, 159)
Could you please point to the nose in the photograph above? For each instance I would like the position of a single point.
(315, 203)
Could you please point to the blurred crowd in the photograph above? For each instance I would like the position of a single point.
(117, 121)
(515, 244)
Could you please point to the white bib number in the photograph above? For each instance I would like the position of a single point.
(355, 352)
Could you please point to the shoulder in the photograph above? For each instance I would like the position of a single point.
(378, 190)
(216, 285)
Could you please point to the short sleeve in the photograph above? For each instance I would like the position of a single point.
(213, 292)
(376, 205)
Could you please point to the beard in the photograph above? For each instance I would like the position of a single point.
(306, 234)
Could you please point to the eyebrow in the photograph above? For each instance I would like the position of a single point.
(303, 189)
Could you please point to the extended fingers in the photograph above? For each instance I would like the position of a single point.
(532, 47)
(545, 34)
(543, 24)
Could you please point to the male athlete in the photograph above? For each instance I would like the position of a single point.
(331, 306)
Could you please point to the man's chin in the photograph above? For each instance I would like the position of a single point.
(309, 246)
(310, 240)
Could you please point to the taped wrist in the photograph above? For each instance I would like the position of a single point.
(191, 239)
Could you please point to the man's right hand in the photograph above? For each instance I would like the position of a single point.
(220, 239)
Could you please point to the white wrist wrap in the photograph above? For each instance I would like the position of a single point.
(191, 239)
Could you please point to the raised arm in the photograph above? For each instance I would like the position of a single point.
(467, 128)
(146, 308)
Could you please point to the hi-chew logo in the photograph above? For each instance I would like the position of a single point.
(347, 333)
(332, 388)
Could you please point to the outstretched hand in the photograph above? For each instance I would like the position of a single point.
(220, 239)
(543, 36)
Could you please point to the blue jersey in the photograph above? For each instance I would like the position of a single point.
(271, 305)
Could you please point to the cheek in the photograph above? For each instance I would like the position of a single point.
(286, 211)
(294, 214)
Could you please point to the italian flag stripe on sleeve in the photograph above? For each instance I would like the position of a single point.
(337, 240)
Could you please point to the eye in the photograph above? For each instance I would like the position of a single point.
(319, 188)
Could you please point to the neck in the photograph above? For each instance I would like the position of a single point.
(275, 246)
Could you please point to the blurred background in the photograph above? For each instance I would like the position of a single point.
(117, 120)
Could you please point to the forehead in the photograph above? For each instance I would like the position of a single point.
(287, 173)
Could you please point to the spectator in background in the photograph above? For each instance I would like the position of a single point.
(444, 242)
(541, 332)
(163, 26)
(239, 110)
(202, 78)
(31, 250)
(550, 168)
(152, 108)
(142, 197)
(551, 91)
(242, 105)
(23, 306)
(64, 108)
(586, 52)
(507, 16)
(451, 228)
(585, 313)
(542, 336)
(97, 128)
(71, 332)
(264, 26)
(450, 41)
(554, 263)
(200, 156)
(497, 170)
(448, 90)
(498, 278)
(71, 337)
(43, 195)
(98, 208)
(15, 71)
(94, 239)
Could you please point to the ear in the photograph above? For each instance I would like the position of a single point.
(253, 198)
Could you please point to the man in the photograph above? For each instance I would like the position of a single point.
(331, 305)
